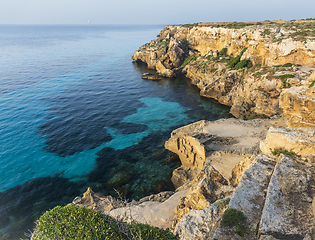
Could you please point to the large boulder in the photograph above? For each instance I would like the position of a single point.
(298, 103)
(249, 196)
(201, 223)
(297, 141)
(289, 209)
(163, 71)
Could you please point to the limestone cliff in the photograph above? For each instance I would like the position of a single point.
(269, 56)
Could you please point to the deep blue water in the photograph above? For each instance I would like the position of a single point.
(75, 112)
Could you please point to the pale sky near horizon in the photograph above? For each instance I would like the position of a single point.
(150, 12)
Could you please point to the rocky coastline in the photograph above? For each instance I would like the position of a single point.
(261, 163)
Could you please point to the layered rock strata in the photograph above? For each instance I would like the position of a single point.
(276, 194)
(275, 52)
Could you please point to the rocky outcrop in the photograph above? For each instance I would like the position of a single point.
(158, 214)
(288, 211)
(198, 53)
(298, 103)
(201, 224)
(299, 142)
(275, 193)
(250, 195)
(204, 141)
(262, 49)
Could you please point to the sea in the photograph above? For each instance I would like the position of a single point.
(75, 113)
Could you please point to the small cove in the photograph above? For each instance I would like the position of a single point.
(75, 113)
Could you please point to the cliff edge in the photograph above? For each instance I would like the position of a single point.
(246, 66)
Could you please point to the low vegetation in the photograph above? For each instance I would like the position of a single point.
(278, 151)
(236, 62)
(163, 44)
(75, 222)
(256, 116)
(189, 59)
(236, 219)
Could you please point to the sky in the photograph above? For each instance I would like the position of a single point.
(150, 12)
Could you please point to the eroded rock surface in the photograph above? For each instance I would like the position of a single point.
(250, 195)
(197, 52)
(298, 103)
(201, 224)
(299, 141)
(288, 212)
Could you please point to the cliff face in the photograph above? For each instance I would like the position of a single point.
(266, 57)
(275, 48)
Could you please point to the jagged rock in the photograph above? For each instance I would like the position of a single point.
(201, 224)
(97, 202)
(278, 30)
(163, 71)
(159, 197)
(176, 53)
(151, 76)
(287, 212)
(247, 94)
(239, 168)
(311, 77)
(204, 193)
(183, 175)
(250, 195)
(195, 144)
(300, 141)
(298, 104)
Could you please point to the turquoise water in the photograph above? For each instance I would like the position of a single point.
(75, 113)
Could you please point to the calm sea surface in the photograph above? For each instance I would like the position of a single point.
(75, 113)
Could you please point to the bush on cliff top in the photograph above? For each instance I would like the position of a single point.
(75, 222)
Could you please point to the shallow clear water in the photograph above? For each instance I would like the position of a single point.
(75, 112)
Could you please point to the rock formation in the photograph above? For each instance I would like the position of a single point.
(269, 57)
(238, 179)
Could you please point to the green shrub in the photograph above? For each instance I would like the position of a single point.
(75, 222)
(234, 218)
(189, 59)
(238, 25)
(284, 79)
(278, 151)
(231, 63)
(245, 63)
(203, 64)
(287, 65)
(234, 61)
(255, 116)
(163, 44)
(223, 52)
(312, 84)
(184, 41)
(266, 32)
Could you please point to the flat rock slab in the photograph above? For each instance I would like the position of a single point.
(244, 136)
(250, 195)
(153, 213)
(288, 212)
(224, 163)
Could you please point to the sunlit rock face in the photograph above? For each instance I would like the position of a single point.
(195, 51)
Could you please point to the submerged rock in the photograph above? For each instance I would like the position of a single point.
(151, 76)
